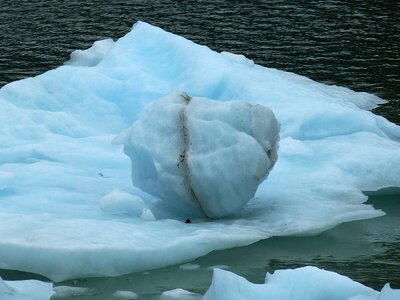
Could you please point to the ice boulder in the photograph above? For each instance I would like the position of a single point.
(309, 283)
(202, 155)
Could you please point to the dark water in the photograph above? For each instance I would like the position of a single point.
(350, 43)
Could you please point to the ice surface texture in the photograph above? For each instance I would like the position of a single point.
(201, 155)
(308, 283)
(25, 289)
(57, 163)
(92, 56)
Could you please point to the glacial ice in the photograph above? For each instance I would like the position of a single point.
(57, 161)
(308, 283)
(121, 203)
(92, 56)
(184, 149)
(127, 295)
(25, 289)
(179, 294)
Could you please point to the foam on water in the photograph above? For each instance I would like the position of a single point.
(57, 161)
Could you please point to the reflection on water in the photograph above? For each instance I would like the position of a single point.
(367, 251)
(350, 43)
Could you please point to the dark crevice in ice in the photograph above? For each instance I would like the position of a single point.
(183, 157)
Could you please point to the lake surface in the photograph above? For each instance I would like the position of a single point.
(349, 43)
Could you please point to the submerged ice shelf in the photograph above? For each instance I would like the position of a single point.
(64, 189)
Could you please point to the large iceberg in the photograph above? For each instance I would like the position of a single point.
(60, 213)
(308, 283)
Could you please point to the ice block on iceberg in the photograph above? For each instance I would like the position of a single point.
(201, 154)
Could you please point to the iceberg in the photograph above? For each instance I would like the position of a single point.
(303, 283)
(59, 172)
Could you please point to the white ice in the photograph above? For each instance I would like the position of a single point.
(25, 289)
(202, 156)
(127, 295)
(57, 161)
(308, 283)
(121, 203)
(179, 294)
(92, 56)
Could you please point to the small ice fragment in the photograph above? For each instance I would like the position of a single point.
(127, 295)
(189, 266)
(180, 294)
(219, 267)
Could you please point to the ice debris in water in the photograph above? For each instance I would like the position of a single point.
(308, 283)
(126, 295)
(25, 289)
(55, 133)
(200, 154)
(180, 294)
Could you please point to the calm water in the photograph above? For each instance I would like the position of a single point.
(349, 43)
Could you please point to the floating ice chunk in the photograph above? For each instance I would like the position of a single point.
(189, 266)
(127, 295)
(121, 203)
(25, 289)
(308, 283)
(180, 294)
(55, 133)
(91, 56)
(202, 154)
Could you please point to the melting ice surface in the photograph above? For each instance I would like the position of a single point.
(60, 213)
